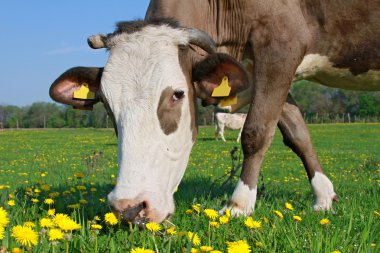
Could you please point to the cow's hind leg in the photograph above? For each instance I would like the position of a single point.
(296, 136)
(221, 132)
(239, 136)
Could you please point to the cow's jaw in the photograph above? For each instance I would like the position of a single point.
(155, 134)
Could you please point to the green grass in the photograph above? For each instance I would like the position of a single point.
(48, 159)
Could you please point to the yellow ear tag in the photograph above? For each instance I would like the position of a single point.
(84, 92)
(228, 101)
(223, 90)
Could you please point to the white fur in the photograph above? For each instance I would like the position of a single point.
(319, 68)
(231, 121)
(323, 191)
(243, 200)
(139, 68)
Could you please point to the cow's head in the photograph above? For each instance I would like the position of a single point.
(149, 86)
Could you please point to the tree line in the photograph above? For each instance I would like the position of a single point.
(318, 104)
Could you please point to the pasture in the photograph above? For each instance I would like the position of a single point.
(72, 170)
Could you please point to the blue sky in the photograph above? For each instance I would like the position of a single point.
(41, 39)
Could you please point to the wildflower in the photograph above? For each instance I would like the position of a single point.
(171, 231)
(324, 222)
(189, 211)
(206, 248)
(266, 220)
(93, 189)
(223, 219)
(37, 190)
(373, 245)
(59, 217)
(26, 236)
(228, 213)
(336, 251)
(45, 187)
(102, 200)
(97, 218)
(34, 200)
(46, 223)
(68, 225)
(83, 201)
(250, 223)
(16, 250)
(74, 206)
(49, 201)
(376, 213)
(141, 250)
(211, 213)
(197, 207)
(11, 202)
(214, 224)
(110, 219)
(96, 226)
(29, 224)
(289, 206)
(215, 251)
(55, 234)
(51, 212)
(240, 246)
(2, 229)
(259, 244)
(79, 175)
(278, 214)
(4, 220)
(153, 226)
(194, 238)
(297, 218)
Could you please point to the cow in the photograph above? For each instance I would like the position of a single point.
(231, 121)
(156, 69)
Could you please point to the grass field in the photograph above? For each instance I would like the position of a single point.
(75, 169)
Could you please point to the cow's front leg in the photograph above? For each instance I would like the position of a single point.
(297, 137)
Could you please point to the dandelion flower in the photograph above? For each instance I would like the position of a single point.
(79, 175)
(29, 224)
(153, 226)
(297, 218)
(215, 251)
(324, 222)
(289, 206)
(211, 213)
(376, 213)
(171, 231)
(259, 244)
(46, 223)
(214, 224)
(250, 223)
(197, 207)
(16, 250)
(189, 211)
(373, 245)
(278, 214)
(228, 213)
(110, 219)
(67, 224)
(223, 219)
(11, 202)
(206, 248)
(194, 238)
(26, 236)
(141, 250)
(2, 233)
(4, 220)
(55, 234)
(34, 200)
(97, 218)
(49, 201)
(51, 212)
(336, 251)
(240, 246)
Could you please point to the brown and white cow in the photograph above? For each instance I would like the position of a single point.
(156, 69)
(230, 121)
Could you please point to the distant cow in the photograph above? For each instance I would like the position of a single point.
(230, 121)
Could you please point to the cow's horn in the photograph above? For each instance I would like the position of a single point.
(201, 39)
(97, 41)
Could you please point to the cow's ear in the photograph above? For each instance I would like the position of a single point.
(209, 73)
(79, 80)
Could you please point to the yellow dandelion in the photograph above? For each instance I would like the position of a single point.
(37, 190)
(97, 218)
(46, 223)
(16, 250)
(110, 219)
(297, 218)
(194, 238)
(49, 201)
(223, 219)
(79, 175)
(11, 202)
(214, 224)
(141, 250)
(102, 200)
(29, 224)
(153, 226)
(26, 236)
(34, 200)
(324, 222)
(206, 248)
(4, 220)
(66, 224)
(2, 229)
(259, 244)
(376, 213)
(211, 213)
(373, 245)
(74, 206)
(228, 213)
(250, 223)
(55, 234)
(197, 207)
(289, 206)
(189, 211)
(240, 246)
(171, 231)
(93, 189)
(45, 187)
(215, 251)
(51, 212)
(336, 251)
(278, 214)
(265, 219)
(96, 226)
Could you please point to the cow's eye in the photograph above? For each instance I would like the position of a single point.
(178, 94)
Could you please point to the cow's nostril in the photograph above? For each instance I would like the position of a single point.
(131, 213)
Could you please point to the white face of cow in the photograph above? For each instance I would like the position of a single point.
(148, 93)
(148, 86)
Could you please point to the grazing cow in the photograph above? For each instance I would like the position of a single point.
(156, 69)
(231, 121)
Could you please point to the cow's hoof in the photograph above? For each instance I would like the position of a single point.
(325, 204)
(235, 211)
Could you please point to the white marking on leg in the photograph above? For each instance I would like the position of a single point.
(323, 191)
(242, 200)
